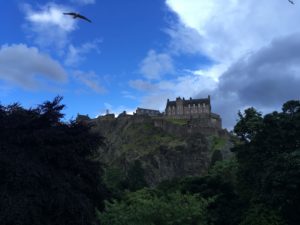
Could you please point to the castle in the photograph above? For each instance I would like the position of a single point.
(188, 109)
(196, 111)
(191, 109)
(193, 115)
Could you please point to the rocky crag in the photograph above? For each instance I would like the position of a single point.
(161, 148)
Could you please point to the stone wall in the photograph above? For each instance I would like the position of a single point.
(192, 108)
(192, 127)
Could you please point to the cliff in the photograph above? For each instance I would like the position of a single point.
(161, 148)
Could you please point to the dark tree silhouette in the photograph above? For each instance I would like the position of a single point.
(269, 164)
(47, 172)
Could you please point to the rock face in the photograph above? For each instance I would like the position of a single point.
(169, 163)
(164, 149)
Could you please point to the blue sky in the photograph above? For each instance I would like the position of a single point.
(139, 53)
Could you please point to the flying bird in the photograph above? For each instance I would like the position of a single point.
(291, 2)
(77, 15)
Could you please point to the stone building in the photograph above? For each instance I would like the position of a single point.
(193, 109)
(150, 112)
(190, 108)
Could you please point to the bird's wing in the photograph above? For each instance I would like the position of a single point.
(70, 13)
(291, 1)
(83, 17)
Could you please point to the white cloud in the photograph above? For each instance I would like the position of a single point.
(155, 65)
(25, 66)
(186, 85)
(83, 2)
(229, 29)
(48, 24)
(253, 47)
(75, 55)
(184, 39)
(90, 80)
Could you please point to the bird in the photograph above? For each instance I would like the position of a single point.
(291, 2)
(77, 15)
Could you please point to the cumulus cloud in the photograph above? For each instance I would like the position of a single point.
(155, 65)
(229, 29)
(90, 80)
(266, 78)
(253, 46)
(75, 55)
(184, 39)
(47, 24)
(25, 66)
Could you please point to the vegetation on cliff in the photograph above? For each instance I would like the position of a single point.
(162, 153)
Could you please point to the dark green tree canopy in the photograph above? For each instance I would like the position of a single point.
(47, 175)
(291, 107)
(269, 161)
(248, 125)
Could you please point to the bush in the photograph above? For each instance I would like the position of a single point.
(149, 207)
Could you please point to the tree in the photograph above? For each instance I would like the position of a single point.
(47, 172)
(248, 125)
(220, 185)
(135, 179)
(149, 207)
(269, 164)
(261, 215)
(291, 107)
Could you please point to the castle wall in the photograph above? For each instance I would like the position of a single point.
(187, 109)
(202, 126)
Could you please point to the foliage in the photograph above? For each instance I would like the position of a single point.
(217, 143)
(144, 138)
(135, 179)
(291, 107)
(177, 121)
(149, 207)
(261, 215)
(226, 169)
(115, 180)
(269, 160)
(248, 125)
(47, 173)
(118, 181)
(216, 157)
(259, 186)
(219, 184)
